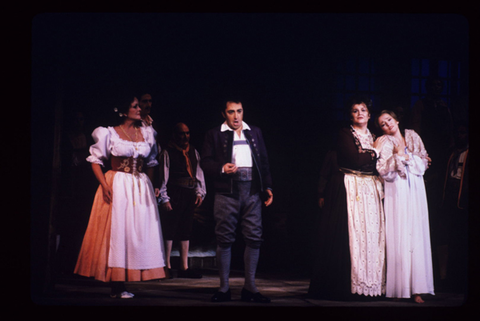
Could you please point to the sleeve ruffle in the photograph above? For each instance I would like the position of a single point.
(390, 165)
(149, 136)
(164, 175)
(100, 151)
(201, 188)
(418, 162)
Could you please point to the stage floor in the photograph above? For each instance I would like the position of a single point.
(180, 292)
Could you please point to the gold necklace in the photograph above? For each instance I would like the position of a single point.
(136, 130)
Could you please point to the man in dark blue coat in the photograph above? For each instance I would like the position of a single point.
(235, 157)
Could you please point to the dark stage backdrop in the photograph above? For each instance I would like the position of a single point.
(283, 65)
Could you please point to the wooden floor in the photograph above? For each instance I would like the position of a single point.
(76, 291)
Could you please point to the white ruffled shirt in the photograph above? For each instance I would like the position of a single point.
(241, 153)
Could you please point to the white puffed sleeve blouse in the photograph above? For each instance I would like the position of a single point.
(108, 142)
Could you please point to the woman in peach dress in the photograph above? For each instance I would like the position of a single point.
(123, 241)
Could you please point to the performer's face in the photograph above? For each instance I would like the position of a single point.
(233, 114)
(134, 112)
(435, 87)
(359, 114)
(388, 124)
(146, 104)
(182, 135)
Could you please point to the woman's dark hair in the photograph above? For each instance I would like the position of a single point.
(357, 100)
(122, 105)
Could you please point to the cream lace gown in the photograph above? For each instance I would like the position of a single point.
(366, 228)
(123, 241)
(409, 259)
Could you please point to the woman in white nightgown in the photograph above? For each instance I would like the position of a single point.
(123, 241)
(402, 163)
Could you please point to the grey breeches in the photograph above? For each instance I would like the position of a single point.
(238, 208)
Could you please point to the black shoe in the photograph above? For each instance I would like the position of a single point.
(221, 296)
(248, 296)
(188, 273)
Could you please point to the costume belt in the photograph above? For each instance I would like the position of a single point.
(377, 183)
(127, 164)
(243, 174)
(357, 173)
(186, 182)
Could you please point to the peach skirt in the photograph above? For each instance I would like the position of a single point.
(94, 253)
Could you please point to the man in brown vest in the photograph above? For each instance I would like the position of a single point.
(182, 190)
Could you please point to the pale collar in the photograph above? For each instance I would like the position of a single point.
(359, 133)
(225, 127)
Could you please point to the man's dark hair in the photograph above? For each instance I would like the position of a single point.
(230, 100)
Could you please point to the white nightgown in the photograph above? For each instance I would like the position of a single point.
(409, 259)
(132, 236)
